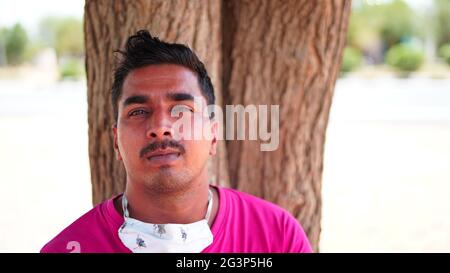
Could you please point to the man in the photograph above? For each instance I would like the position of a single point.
(168, 204)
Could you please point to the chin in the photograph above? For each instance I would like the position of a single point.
(169, 180)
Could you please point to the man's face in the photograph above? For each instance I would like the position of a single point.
(154, 153)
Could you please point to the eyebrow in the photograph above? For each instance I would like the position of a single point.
(140, 99)
(179, 96)
(137, 99)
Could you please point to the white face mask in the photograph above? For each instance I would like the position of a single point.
(141, 237)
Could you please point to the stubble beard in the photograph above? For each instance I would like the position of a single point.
(167, 180)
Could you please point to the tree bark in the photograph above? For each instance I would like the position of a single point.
(285, 53)
(107, 26)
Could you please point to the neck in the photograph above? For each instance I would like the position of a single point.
(181, 207)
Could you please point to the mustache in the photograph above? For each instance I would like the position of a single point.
(162, 145)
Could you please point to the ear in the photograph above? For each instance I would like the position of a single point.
(116, 147)
(214, 137)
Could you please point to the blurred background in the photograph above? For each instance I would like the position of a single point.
(386, 180)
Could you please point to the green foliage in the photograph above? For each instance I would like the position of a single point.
(442, 21)
(399, 23)
(72, 69)
(15, 42)
(388, 22)
(63, 34)
(404, 58)
(351, 60)
(444, 53)
(3, 32)
(33, 48)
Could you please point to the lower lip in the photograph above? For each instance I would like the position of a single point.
(166, 159)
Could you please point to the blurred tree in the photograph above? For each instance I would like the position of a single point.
(397, 22)
(351, 60)
(47, 30)
(442, 21)
(16, 42)
(374, 28)
(64, 34)
(69, 38)
(285, 53)
(444, 53)
(3, 33)
(364, 25)
(72, 69)
(33, 48)
(404, 58)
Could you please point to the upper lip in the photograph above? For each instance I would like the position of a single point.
(162, 152)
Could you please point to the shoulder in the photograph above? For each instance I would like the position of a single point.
(269, 218)
(249, 203)
(84, 229)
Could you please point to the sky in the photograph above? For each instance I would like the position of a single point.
(30, 12)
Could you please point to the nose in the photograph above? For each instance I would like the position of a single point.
(159, 132)
(160, 127)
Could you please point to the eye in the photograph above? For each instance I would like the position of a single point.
(138, 112)
(182, 109)
(187, 109)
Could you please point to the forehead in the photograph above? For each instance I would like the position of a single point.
(158, 80)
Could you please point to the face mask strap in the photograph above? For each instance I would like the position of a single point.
(210, 205)
(125, 206)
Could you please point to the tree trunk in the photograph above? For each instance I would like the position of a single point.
(286, 53)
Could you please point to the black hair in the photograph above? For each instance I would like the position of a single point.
(142, 49)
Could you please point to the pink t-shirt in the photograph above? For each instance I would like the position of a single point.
(243, 224)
